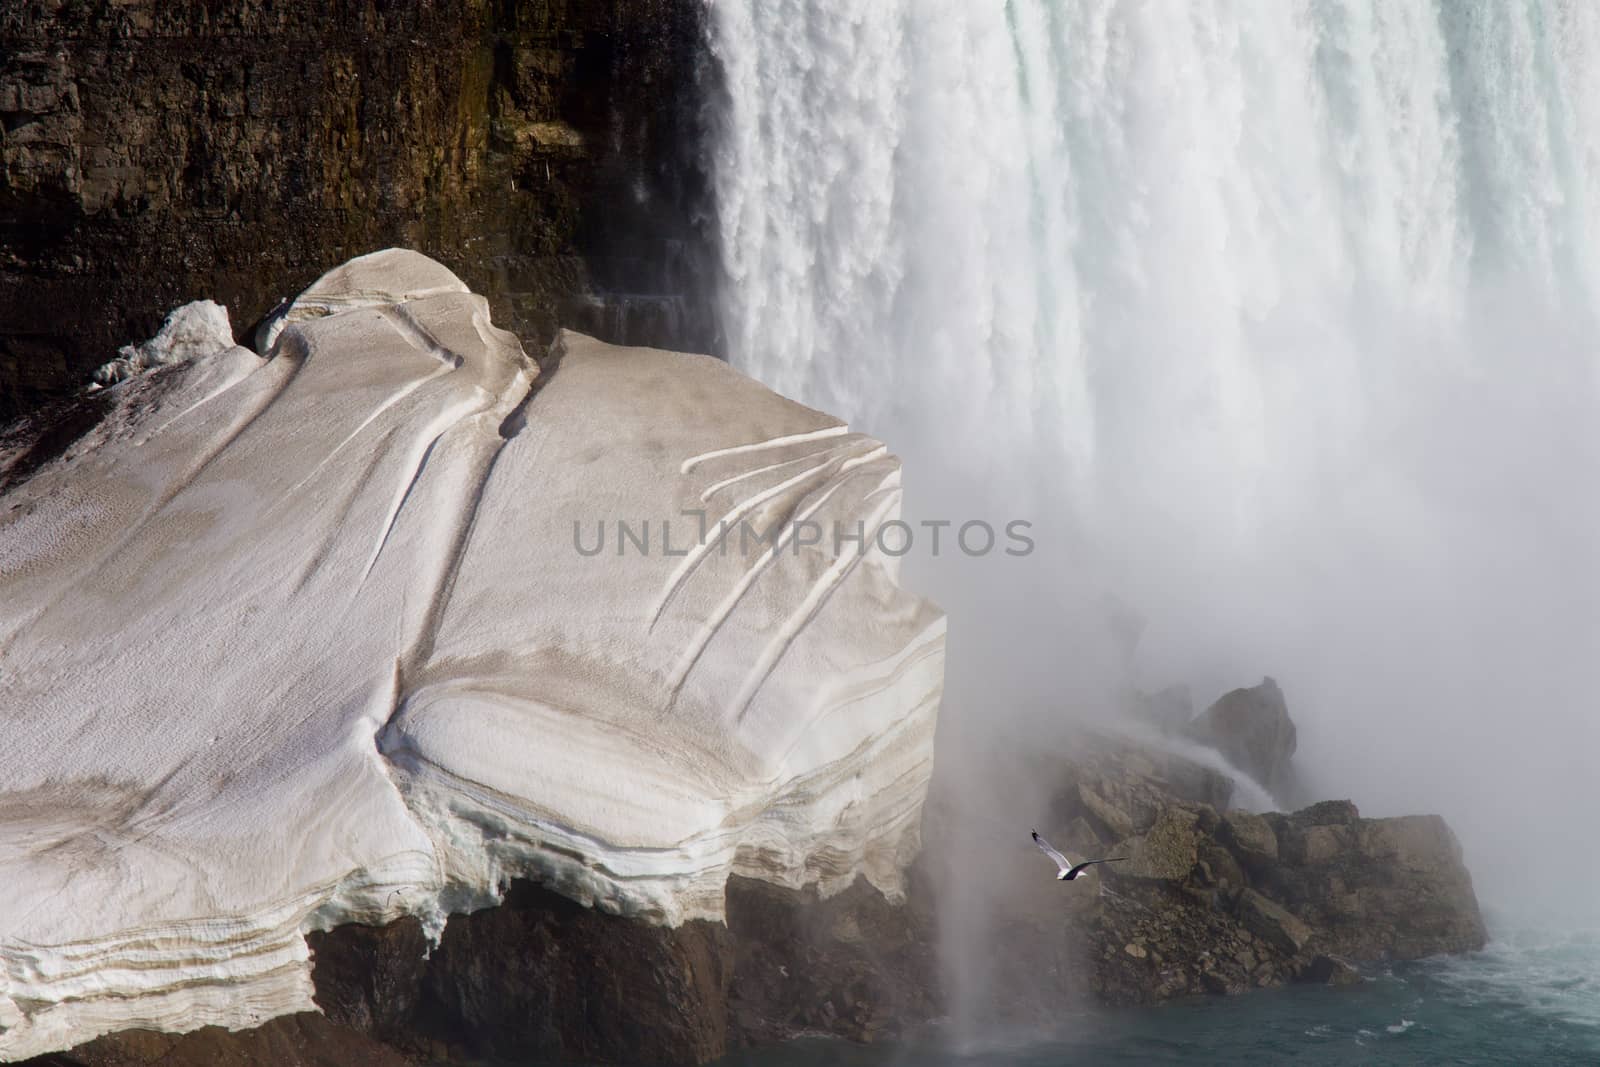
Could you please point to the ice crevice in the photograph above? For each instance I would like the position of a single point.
(310, 641)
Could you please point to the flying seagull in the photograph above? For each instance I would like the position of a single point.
(1069, 870)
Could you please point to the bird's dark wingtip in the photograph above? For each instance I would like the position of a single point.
(1035, 834)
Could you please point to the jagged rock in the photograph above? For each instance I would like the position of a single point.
(1224, 869)
(1330, 970)
(1239, 900)
(542, 977)
(1252, 728)
(1319, 844)
(1112, 821)
(1412, 893)
(1120, 788)
(1205, 815)
(1250, 837)
(1166, 852)
(1272, 923)
(1192, 783)
(1219, 984)
(369, 978)
(1327, 813)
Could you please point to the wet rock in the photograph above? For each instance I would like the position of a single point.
(1121, 788)
(1111, 820)
(1250, 837)
(1166, 852)
(540, 977)
(1224, 869)
(1272, 923)
(1221, 985)
(369, 978)
(1327, 813)
(1320, 844)
(1330, 970)
(1399, 889)
(1252, 729)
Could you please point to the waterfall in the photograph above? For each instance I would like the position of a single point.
(1278, 318)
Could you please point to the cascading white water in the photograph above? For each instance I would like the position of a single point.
(1277, 318)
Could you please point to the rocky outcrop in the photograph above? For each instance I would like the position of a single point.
(1359, 889)
(541, 978)
(1271, 922)
(1375, 887)
(1210, 901)
(1253, 731)
(1120, 788)
(1251, 839)
(151, 151)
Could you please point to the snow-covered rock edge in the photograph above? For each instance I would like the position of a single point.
(306, 640)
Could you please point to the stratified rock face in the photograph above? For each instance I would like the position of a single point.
(1252, 729)
(322, 638)
(152, 150)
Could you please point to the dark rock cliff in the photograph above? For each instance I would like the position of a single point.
(541, 978)
(154, 151)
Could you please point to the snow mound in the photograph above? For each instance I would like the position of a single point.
(194, 331)
(326, 639)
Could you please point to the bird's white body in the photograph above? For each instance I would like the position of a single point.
(1068, 871)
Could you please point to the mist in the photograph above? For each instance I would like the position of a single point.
(1277, 323)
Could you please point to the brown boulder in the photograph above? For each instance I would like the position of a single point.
(1252, 728)
(1250, 837)
(1223, 868)
(1166, 852)
(1328, 813)
(1330, 970)
(1272, 923)
(1375, 888)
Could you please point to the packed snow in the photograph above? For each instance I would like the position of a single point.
(321, 638)
(192, 332)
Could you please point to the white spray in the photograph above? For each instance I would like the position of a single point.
(1277, 318)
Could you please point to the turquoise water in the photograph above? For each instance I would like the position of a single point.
(1530, 998)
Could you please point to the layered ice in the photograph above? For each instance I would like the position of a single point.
(326, 638)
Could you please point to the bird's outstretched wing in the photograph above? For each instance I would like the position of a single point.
(1045, 847)
(1075, 871)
